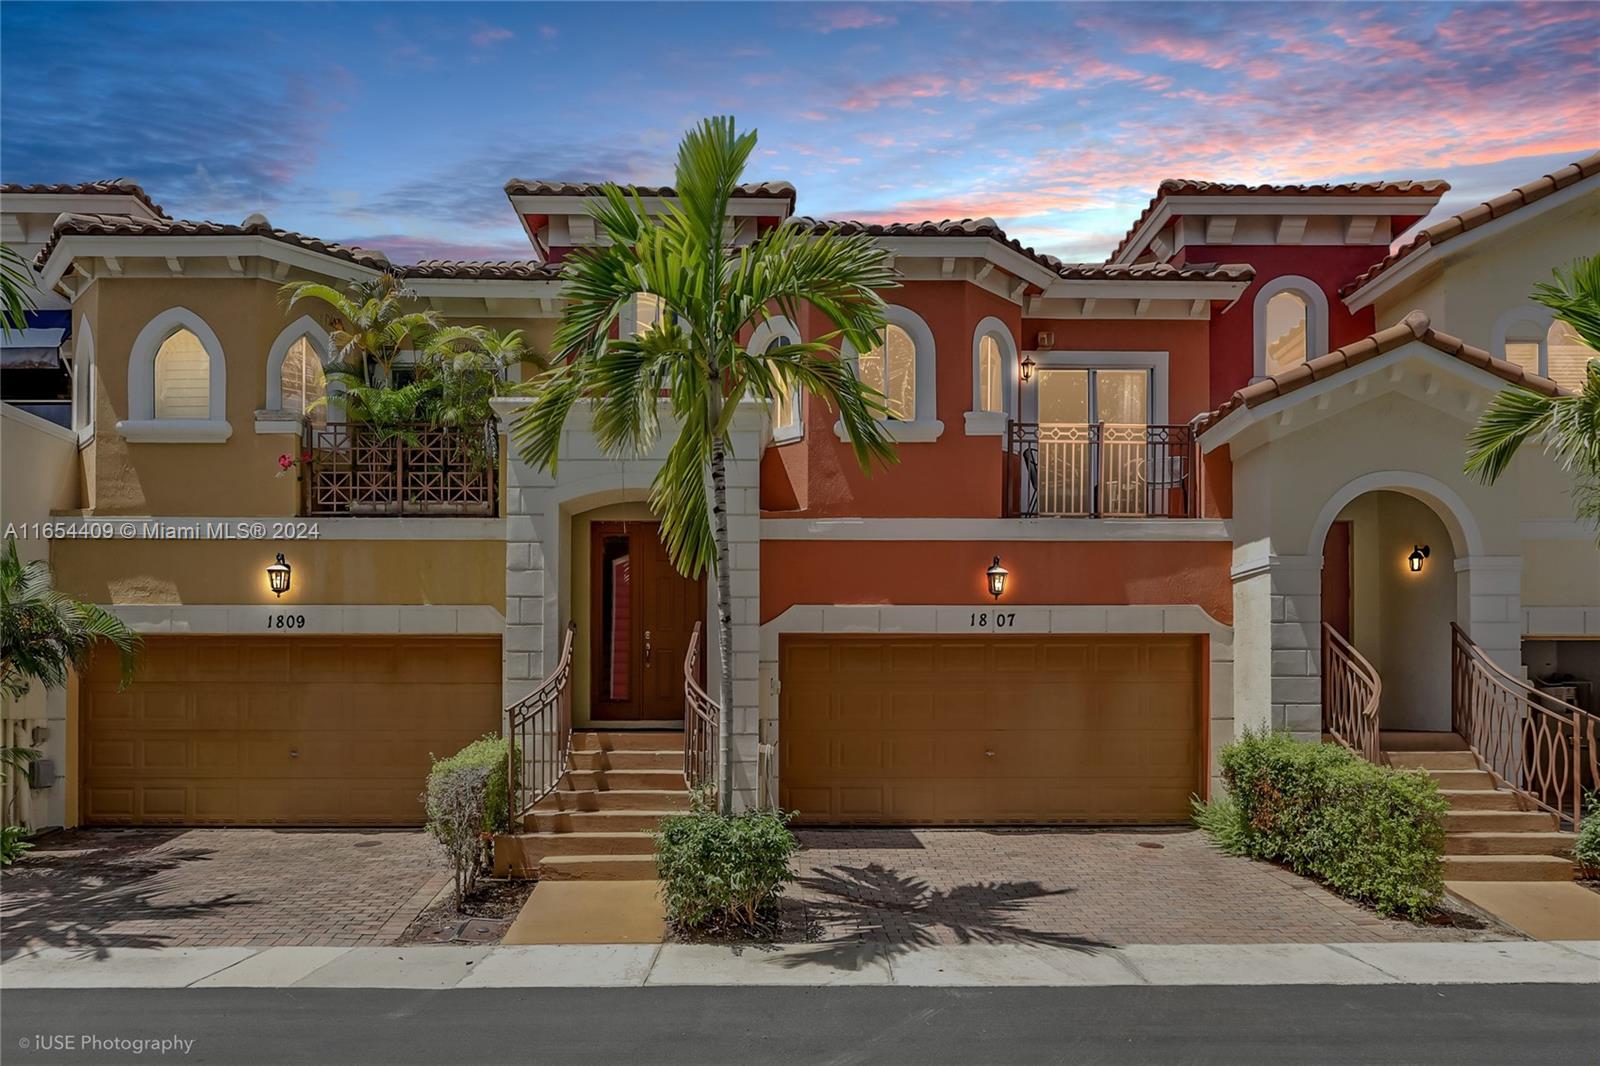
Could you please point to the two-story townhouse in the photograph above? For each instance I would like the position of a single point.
(1183, 460)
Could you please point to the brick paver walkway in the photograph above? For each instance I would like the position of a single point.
(192, 887)
(916, 887)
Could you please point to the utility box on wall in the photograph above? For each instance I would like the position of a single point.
(41, 773)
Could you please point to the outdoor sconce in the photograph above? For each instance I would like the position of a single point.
(997, 577)
(1419, 553)
(278, 576)
(1027, 367)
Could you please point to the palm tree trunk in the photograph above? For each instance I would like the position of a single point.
(724, 601)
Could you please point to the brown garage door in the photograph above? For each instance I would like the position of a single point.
(286, 730)
(942, 730)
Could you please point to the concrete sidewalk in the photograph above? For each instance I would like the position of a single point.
(838, 963)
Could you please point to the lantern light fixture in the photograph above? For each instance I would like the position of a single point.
(1418, 554)
(1027, 367)
(997, 577)
(278, 576)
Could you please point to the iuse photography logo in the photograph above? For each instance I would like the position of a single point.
(94, 1042)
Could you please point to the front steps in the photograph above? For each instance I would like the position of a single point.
(598, 824)
(1491, 834)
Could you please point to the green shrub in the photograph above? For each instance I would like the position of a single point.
(467, 801)
(723, 872)
(1587, 849)
(13, 844)
(1368, 832)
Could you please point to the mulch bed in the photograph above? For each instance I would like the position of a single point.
(484, 917)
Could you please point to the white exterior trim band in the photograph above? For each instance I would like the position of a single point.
(976, 529)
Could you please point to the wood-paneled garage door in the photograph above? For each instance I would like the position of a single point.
(281, 730)
(1019, 729)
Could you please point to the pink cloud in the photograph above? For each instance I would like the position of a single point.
(897, 91)
(549, 33)
(487, 35)
(835, 17)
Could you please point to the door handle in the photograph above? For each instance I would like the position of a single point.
(990, 754)
(647, 647)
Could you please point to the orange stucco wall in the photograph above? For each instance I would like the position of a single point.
(1042, 572)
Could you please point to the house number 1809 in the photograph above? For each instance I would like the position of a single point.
(1002, 619)
(286, 621)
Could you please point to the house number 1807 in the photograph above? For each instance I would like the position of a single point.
(286, 621)
(1002, 619)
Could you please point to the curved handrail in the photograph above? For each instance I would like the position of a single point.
(539, 728)
(700, 722)
(1529, 741)
(1351, 693)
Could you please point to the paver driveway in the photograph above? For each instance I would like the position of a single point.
(908, 888)
(190, 887)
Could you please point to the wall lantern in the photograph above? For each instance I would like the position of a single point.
(1419, 553)
(278, 576)
(997, 577)
(1027, 367)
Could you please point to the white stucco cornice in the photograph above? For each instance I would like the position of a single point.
(1297, 206)
(78, 248)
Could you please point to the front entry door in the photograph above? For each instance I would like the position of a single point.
(644, 614)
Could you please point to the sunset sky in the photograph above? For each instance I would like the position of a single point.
(395, 125)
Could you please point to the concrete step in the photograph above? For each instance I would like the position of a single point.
(1433, 760)
(1403, 740)
(618, 799)
(605, 780)
(628, 740)
(1462, 779)
(1499, 822)
(1507, 868)
(540, 846)
(626, 759)
(595, 821)
(1540, 843)
(598, 868)
(1481, 799)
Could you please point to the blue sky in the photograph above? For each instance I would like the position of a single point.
(395, 125)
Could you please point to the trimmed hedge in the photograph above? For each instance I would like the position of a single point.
(1587, 849)
(488, 752)
(1370, 833)
(723, 872)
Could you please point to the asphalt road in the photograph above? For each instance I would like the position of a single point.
(1457, 1025)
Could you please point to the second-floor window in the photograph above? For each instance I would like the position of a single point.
(1288, 316)
(989, 375)
(785, 401)
(890, 366)
(183, 378)
(303, 383)
(1291, 324)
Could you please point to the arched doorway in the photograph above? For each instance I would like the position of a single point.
(1389, 585)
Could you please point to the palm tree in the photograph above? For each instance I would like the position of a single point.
(375, 322)
(16, 284)
(1567, 426)
(693, 357)
(44, 633)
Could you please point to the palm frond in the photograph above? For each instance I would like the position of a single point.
(16, 290)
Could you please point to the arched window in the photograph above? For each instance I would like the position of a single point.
(1566, 356)
(890, 366)
(1288, 316)
(989, 397)
(83, 394)
(183, 378)
(1291, 323)
(302, 382)
(786, 422)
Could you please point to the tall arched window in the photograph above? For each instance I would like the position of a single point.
(183, 378)
(1288, 318)
(890, 366)
(786, 423)
(990, 398)
(1566, 356)
(302, 382)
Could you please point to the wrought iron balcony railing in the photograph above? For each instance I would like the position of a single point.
(353, 469)
(1100, 470)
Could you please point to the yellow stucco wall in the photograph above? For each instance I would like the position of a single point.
(325, 571)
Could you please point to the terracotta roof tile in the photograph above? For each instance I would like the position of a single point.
(1194, 187)
(70, 225)
(988, 227)
(1414, 327)
(535, 187)
(483, 269)
(1489, 210)
(109, 187)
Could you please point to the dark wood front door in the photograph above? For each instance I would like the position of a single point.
(1336, 605)
(644, 615)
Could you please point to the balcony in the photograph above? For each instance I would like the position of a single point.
(352, 469)
(1100, 470)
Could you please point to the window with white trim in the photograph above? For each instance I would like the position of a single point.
(1291, 324)
(786, 419)
(183, 378)
(990, 398)
(890, 366)
(1288, 317)
(302, 382)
